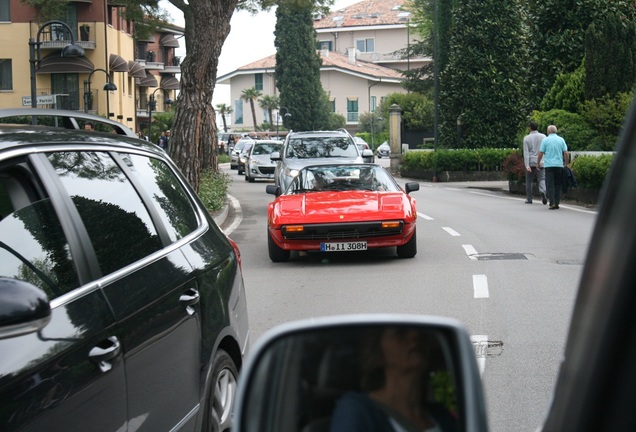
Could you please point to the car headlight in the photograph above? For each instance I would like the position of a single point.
(254, 162)
(291, 172)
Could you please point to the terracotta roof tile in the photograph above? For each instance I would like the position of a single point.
(365, 13)
(335, 60)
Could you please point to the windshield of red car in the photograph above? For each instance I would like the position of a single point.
(343, 178)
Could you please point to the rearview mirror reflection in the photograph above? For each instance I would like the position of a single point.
(359, 376)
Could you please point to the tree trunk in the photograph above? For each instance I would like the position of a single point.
(253, 114)
(194, 144)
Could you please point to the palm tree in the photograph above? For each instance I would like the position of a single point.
(250, 95)
(270, 103)
(224, 110)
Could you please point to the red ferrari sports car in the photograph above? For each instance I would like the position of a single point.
(339, 208)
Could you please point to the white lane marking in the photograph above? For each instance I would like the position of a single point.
(236, 205)
(470, 251)
(480, 286)
(480, 345)
(578, 209)
(451, 231)
(422, 215)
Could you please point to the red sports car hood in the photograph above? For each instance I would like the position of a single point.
(324, 207)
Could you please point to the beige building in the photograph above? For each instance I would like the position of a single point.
(361, 64)
(111, 56)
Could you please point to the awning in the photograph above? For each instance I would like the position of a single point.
(169, 83)
(168, 40)
(117, 64)
(53, 63)
(148, 81)
(136, 70)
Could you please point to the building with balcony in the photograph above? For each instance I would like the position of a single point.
(112, 55)
(360, 47)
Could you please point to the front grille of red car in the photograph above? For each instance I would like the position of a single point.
(353, 230)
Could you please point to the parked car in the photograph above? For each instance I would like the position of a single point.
(384, 150)
(340, 208)
(362, 145)
(121, 301)
(310, 148)
(259, 164)
(66, 119)
(242, 157)
(236, 151)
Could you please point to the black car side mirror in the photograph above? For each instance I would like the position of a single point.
(325, 373)
(24, 308)
(411, 186)
(273, 189)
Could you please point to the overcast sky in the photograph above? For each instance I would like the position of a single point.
(251, 38)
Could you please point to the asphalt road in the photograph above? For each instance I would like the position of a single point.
(509, 271)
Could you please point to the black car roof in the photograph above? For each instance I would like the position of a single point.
(65, 119)
(15, 136)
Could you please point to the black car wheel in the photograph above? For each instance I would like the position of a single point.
(409, 249)
(222, 393)
(276, 253)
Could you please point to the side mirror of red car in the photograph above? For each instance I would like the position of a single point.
(272, 190)
(411, 186)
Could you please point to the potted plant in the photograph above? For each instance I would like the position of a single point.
(85, 31)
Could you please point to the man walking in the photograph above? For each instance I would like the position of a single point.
(163, 141)
(531, 143)
(554, 152)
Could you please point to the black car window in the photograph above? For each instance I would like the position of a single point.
(33, 247)
(117, 222)
(171, 200)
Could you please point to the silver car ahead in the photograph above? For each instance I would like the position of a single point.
(259, 165)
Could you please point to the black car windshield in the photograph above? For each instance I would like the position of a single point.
(322, 178)
(321, 147)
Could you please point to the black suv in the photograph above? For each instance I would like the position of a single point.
(121, 302)
(313, 148)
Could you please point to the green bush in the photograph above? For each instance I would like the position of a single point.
(590, 171)
(486, 159)
(213, 188)
(575, 130)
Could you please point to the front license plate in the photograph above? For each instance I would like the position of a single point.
(343, 246)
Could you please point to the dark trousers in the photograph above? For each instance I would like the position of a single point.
(554, 180)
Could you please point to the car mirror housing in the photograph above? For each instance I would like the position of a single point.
(367, 153)
(302, 375)
(275, 156)
(411, 186)
(24, 308)
(272, 190)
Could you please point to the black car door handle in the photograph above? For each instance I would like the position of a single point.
(103, 352)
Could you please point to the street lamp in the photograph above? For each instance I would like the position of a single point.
(70, 50)
(87, 88)
(286, 115)
(152, 104)
(373, 129)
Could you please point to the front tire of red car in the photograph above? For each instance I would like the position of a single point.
(409, 249)
(276, 253)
